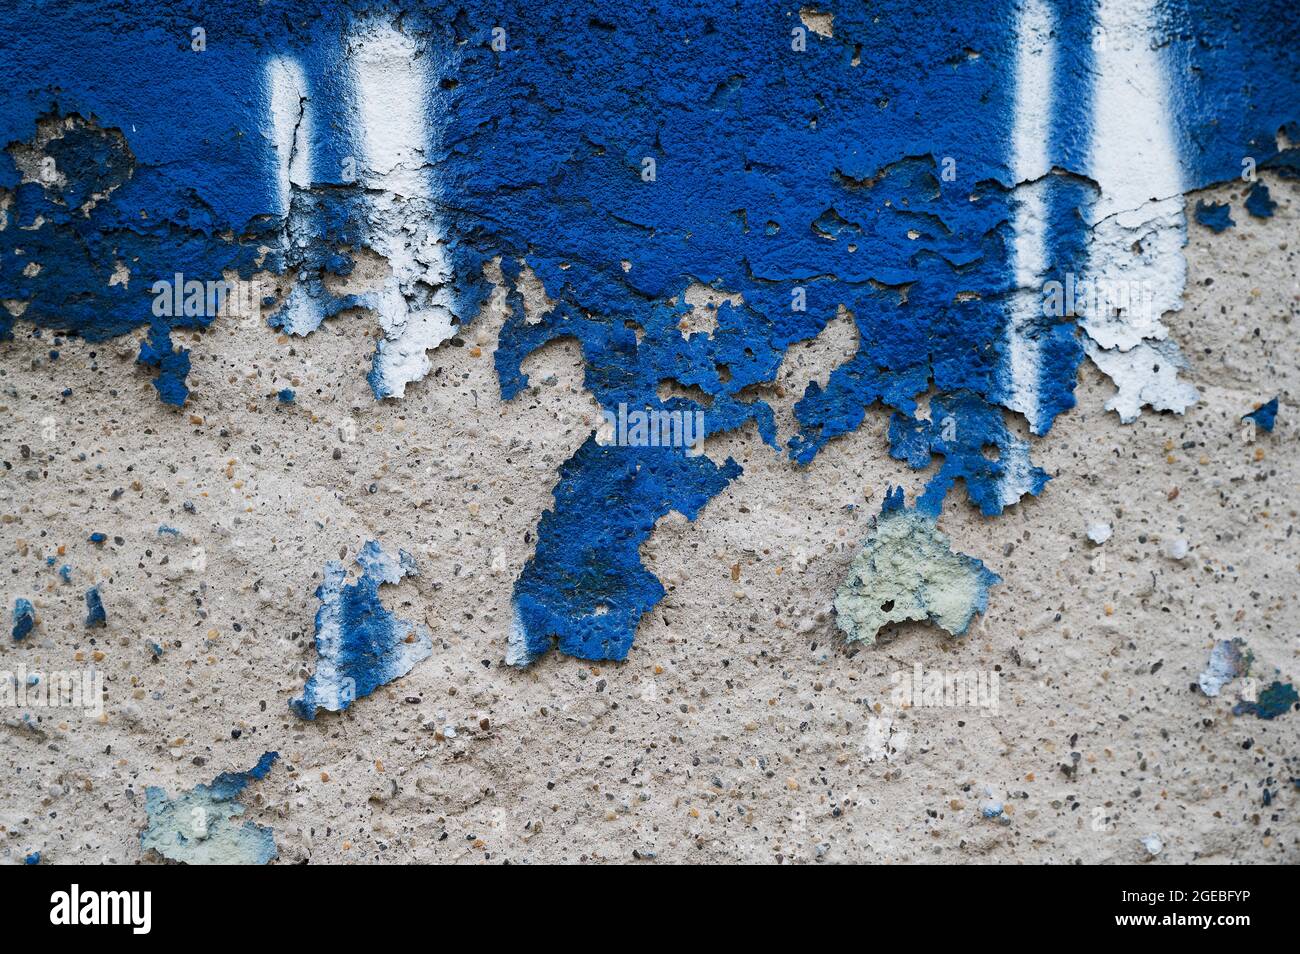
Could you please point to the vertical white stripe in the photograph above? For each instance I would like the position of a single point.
(1030, 161)
(287, 93)
(1133, 158)
(1138, 225)
(393, 90)
(290, 124)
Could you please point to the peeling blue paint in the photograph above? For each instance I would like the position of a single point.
(173, 365)
(95, 615)
(1264, 416)
(585, 588)
(24, 617)
(1216, 216)
(976, 446)
(199, 827)
(360, 645)
(801, 179)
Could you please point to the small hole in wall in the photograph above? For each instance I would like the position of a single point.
(991, 452)
(887, 606)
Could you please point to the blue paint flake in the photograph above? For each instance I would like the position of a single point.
(360, 645)
(33, 859)
(1264, 416)
(585, 588)
(1278, 699)
(97, 538)
(1216, 216)
(65, 573)
(199, 827)
(24, 617)
(286, 396)
(95, 615)
(1259, 202)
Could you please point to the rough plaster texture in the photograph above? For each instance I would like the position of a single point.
(740, 726)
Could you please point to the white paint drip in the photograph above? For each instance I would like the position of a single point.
(392, 90)
(1030, 161)
(1138, 225)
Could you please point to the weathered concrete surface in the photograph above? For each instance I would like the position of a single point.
(739, 728)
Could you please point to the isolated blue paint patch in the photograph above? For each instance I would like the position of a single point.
(199, 827)
(585, 588)
(1264, 416)
(95, 615)
(33, 859)
(97, 538)
(1274, 701)
(360, 645)
(24, 617)
(286, 396)
(1259, 202)
(1216, 216)
(65, 573)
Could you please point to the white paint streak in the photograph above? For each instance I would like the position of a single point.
(1138, 224)
(287, 93)
(393, 89)
(291, 127)
(1030, 161)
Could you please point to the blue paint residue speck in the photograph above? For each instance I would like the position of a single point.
(24, 617)
(1278, 699)
(95, 615)
(1216, 216)
(1259, 203)
(1264, 416)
